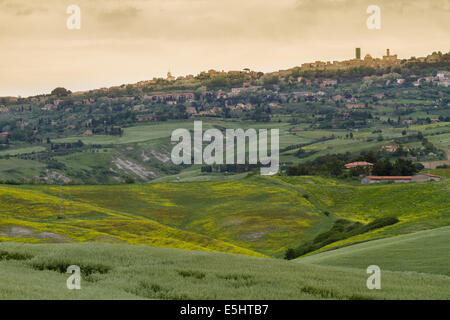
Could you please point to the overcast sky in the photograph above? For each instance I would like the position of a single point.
(125, 41)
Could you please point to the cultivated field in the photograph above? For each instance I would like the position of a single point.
(261, 216)
(141, 272)
(218, 239)
(422, 252)
(147, 147)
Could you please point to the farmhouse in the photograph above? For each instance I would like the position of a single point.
(396, 179)
(389, 148)
(236, 91)
(48, 107)
(328, 83)
(423, 177)
(191, 110)
(443, 74)
(357, 164)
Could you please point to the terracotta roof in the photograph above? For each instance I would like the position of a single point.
(358, 164)
(389, 177)
(431, 175)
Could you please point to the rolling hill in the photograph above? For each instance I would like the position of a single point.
(254, 215)
(122, 271)
(423, 252)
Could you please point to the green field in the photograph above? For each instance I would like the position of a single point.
(418, 206)
(254, 215)
(423, 252)
(147, 150)
(227, 234)
(140, 272)
(12, 170)
(23, 150)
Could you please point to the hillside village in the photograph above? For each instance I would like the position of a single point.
(355, 101)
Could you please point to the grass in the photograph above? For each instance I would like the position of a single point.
(18, 168)
(229, 210)
(22, 150)
(140, 143)
(341, 229)
(140, 272)
(261, 216)
(124, 238)
(418, 206)
(424, 252)
(32, 216)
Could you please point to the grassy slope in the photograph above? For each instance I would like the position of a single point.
(32, 216)
(135, 272)
(252, 215)
(140, 142)
(418, 206)
(18, 168)
(424, 251)
(255, 213)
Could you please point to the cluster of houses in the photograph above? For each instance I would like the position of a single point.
(387, 61)
(393, 148)
(216, 110)
(187, 96)
(423, 177)
(442, 78)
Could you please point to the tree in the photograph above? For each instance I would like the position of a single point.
(370, 157)
(403, 168)
(382, 168)
(60, 92)
(218, 82)
(420, 135)
(334, 167)
(290, 254)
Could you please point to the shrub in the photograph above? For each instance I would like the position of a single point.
(341, 229)
(5, 255)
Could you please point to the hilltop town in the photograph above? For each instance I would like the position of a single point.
(372, 103)
(385, 62)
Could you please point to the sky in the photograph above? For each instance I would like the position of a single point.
(126, 41)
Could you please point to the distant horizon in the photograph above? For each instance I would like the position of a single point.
(127, 41)
(206, 70)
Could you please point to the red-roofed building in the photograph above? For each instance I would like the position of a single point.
(357, 164)
(389, 148)
(423, 177)
(396, 179)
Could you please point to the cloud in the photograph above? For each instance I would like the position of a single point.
(128, 40)
(118, 15)
(22, 8)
